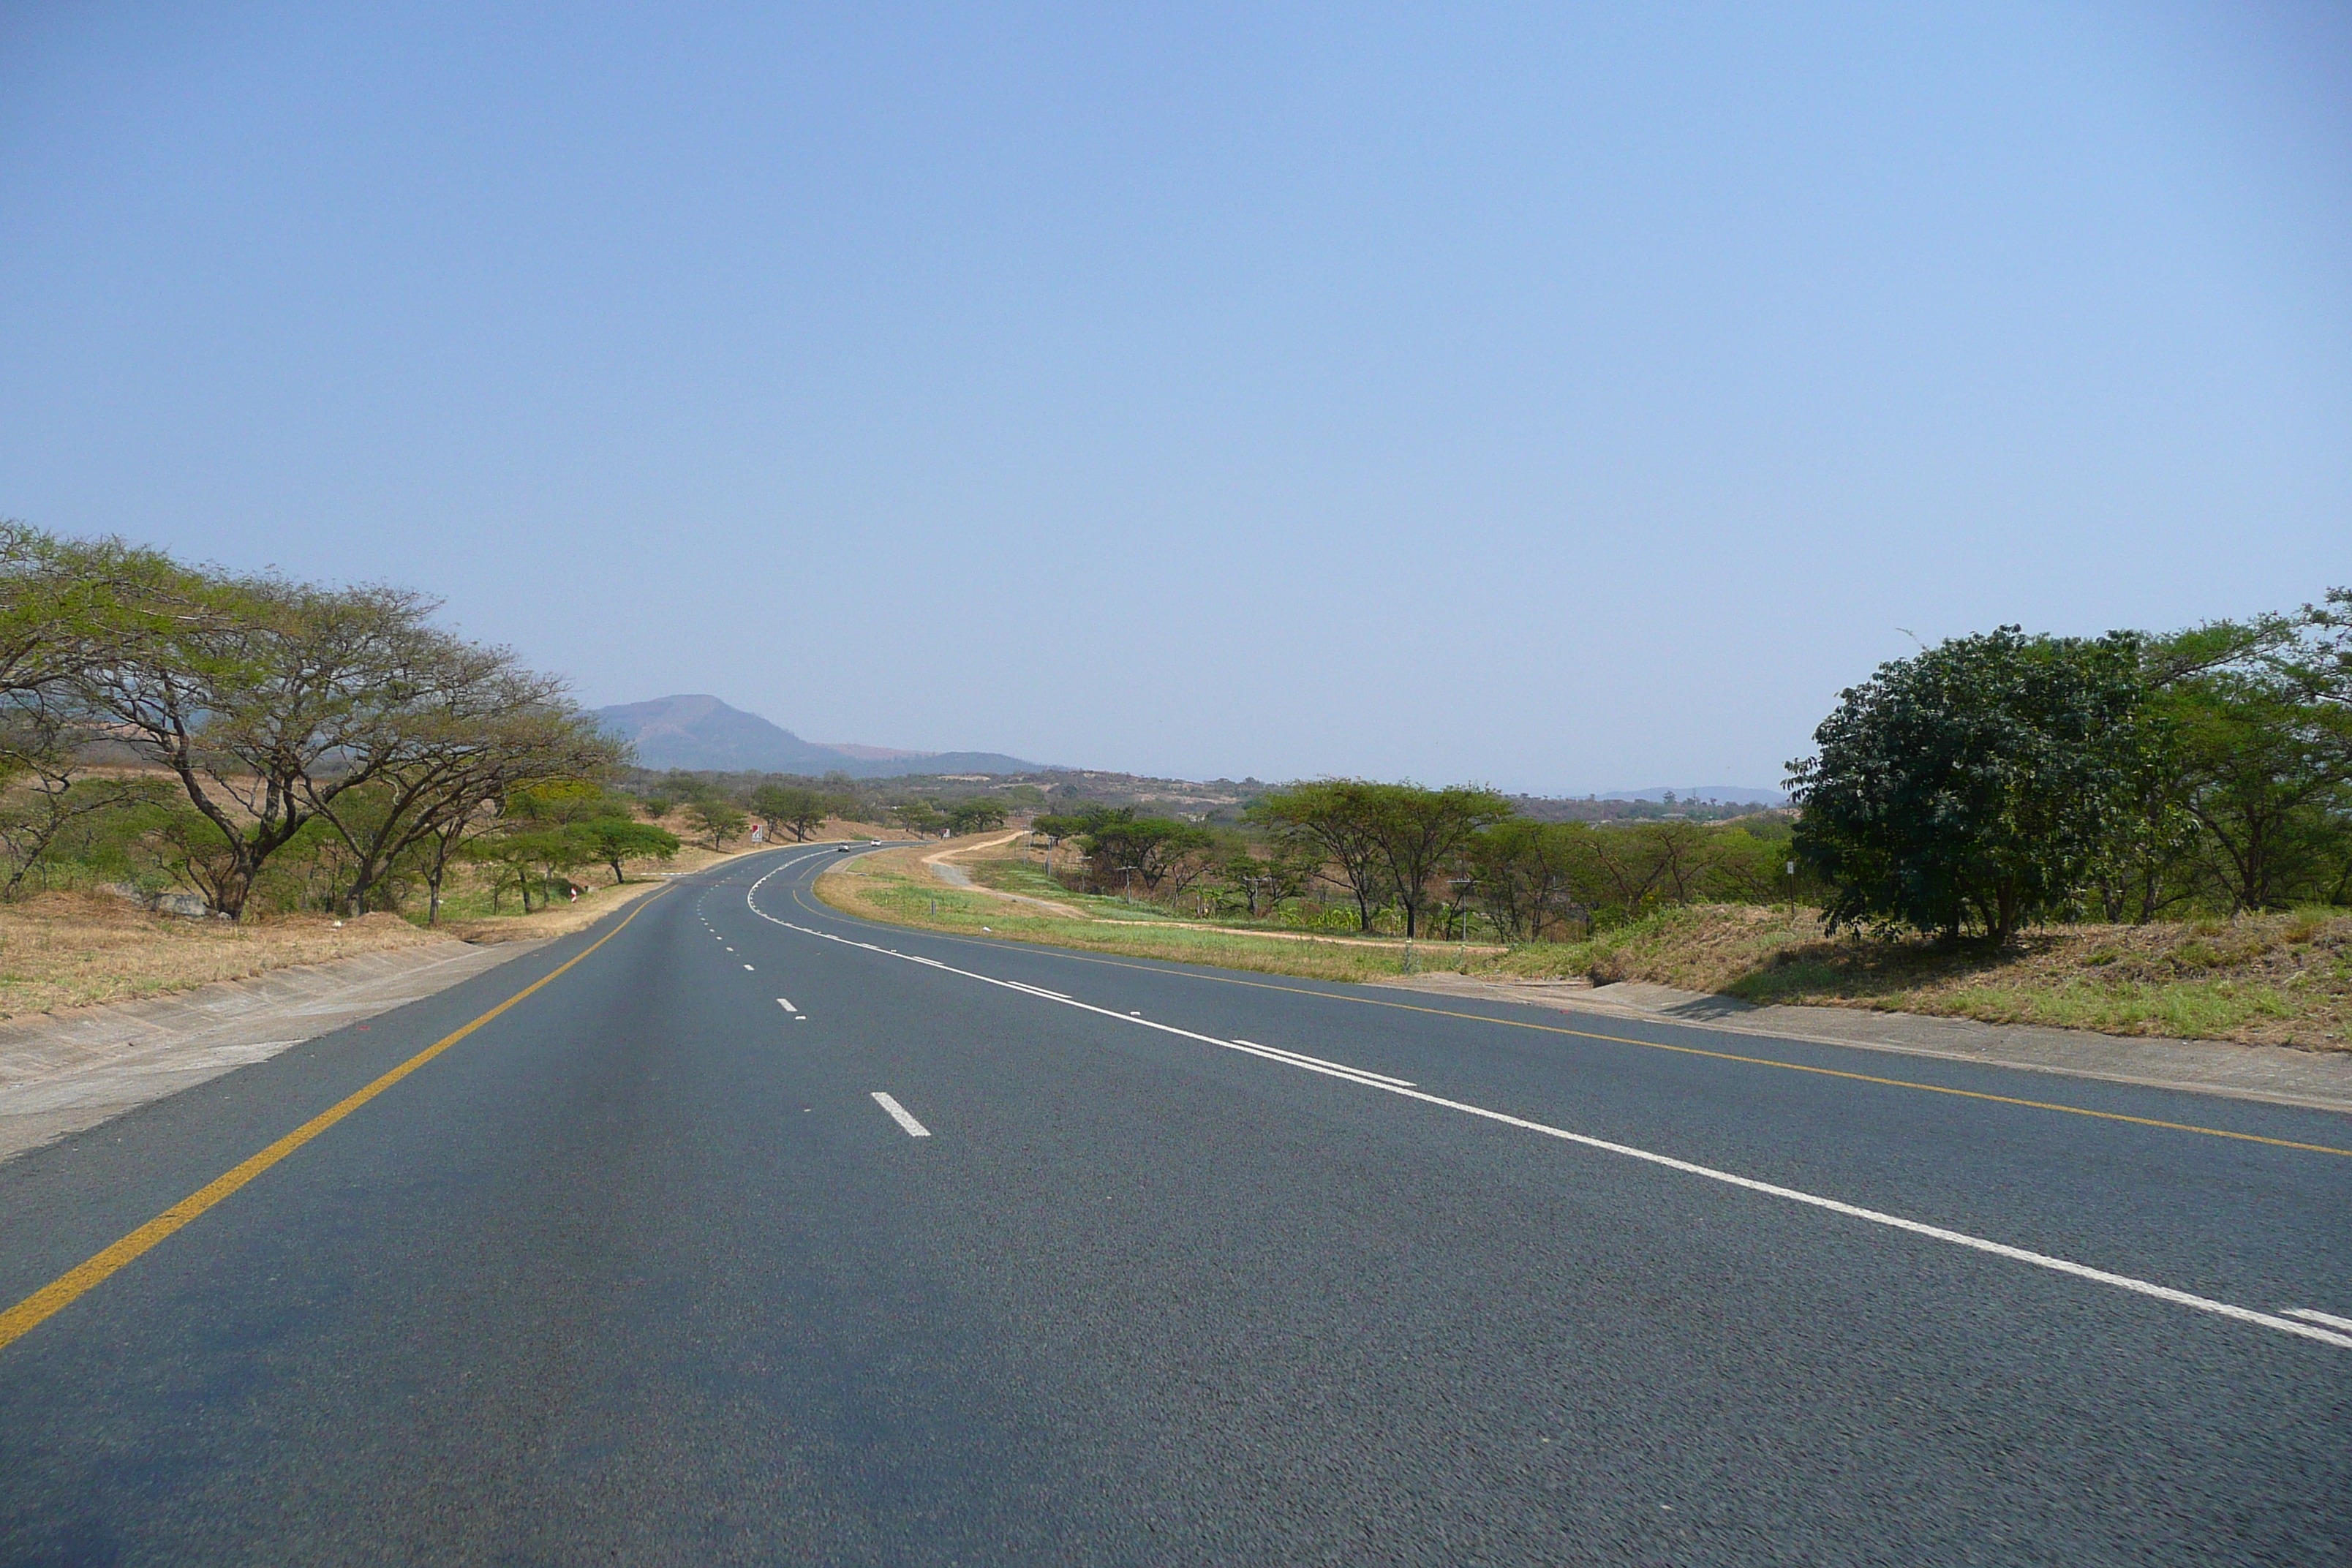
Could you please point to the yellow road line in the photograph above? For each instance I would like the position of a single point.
(70, 1287)
(1627, 1040)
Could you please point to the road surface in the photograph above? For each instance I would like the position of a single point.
(758, 1235)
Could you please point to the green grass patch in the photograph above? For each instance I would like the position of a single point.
(887, 893)
(2191, 1009)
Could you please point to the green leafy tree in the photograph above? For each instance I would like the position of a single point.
(1153, 849)
(796, 808)
(917, 816)
(1339, 821)
(1079, 821)
(45, 803)
(1419, 832)
(974, 816)
(67, 608)
(1528, 874)
(268, 700)
(529, 857)
(718, 819)
(1265, 880)
(1388, 840)
(484, 731)
(801, 808)
(1977, 784)
(617, 840)
(2259, 731)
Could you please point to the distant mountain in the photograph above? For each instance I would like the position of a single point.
(700, 733)
(872, 754)
(1730, 795)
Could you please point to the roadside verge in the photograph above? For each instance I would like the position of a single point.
(2280, 1075)
(61, 1074)
(904, 888)
(926, 889)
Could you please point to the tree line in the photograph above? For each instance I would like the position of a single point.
(721, 805)
(336, 729)
(2002, 779)
(1404, 854)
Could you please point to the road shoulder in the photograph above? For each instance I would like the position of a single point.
(63, 1073)
(2280, 1075)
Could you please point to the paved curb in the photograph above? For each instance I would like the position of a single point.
(2279, 1075)
(61, 1074)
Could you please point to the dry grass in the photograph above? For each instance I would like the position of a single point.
(75, 950)
(560, 918)
(2275, 979)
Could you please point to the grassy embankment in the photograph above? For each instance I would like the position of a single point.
(2277, 979)
(894, 887)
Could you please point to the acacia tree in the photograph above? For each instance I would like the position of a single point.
(917, 816)
(1388, 840)
(1279, 875)
(2259, 727)
(1153, 847)
(719, 818)
(40, 747)
(1418, 832)
(1338, 821)
(525, 857)
(65, 606)
(69, 605)
(1527, 873)
(795, 806)
(975, 816)
(269, 702)
(1976, 783)
(615, 840)
(478, 730)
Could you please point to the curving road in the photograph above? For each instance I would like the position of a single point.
(759, 1234)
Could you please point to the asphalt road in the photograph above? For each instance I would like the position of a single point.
(646, 1269)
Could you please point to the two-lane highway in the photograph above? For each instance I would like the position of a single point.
(760, 1234)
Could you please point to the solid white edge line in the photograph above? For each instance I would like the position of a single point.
(2285, 1325)
(914, 1129)
(2326, 1319)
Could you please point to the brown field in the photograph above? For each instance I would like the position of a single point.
(74, 950)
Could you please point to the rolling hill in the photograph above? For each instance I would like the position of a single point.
(699, 731)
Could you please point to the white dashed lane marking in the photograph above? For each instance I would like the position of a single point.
(914, 1129)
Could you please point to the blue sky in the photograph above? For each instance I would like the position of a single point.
(1554, 397)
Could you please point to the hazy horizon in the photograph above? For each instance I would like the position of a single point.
(1543, 399)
